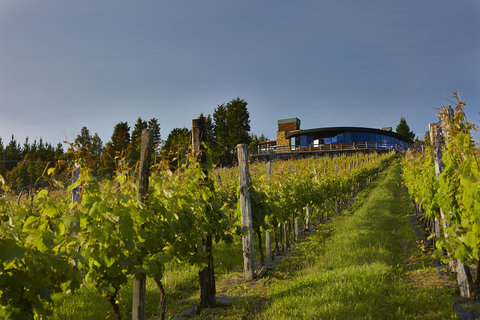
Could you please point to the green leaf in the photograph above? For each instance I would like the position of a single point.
(9, 250)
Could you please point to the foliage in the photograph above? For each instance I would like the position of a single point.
(404, 129)
(119, 237)
(89, 147)
(176, 147)
(232, 126)
(36, 256)
(457, 190)
(136, 137)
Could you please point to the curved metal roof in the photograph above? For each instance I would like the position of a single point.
(333, 131)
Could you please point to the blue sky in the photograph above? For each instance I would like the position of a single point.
(69, 64)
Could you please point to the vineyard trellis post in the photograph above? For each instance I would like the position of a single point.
(268, 249)
(139, 285)
(464, 276)
(246, 210)
(206, 277)
(437, 155)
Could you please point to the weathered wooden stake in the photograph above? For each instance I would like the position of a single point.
(246, 210)
(268, 248)
(139, 285)
(437, 156)
(295, 222)
(206, 277)
(308, 217)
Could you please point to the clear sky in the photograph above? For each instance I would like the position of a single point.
(69, 64)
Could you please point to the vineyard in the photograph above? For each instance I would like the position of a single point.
(106, 234)
(443, 180)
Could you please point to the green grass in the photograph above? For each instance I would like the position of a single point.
(365, 270)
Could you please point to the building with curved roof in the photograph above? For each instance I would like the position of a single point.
(290, 138)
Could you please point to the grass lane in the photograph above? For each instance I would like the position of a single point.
(368, 269)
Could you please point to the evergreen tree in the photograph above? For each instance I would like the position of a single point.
(120, 139)
(97, 146)
(26, 147)
(253, 146)
(154, 127)
(231, 127)
(404, 129)
(115, 149)
(12, 154)
(136, 139)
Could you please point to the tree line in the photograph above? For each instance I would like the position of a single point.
(24, 165)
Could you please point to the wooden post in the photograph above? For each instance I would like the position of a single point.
(308, 217)
(437, 156)
(464, 276)
(268, 248)
(246, 210)
(295, 223)
(206, 277)
(139, 285)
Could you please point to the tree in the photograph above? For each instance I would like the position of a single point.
(121, 137)
(253, 146)
(116, 148)
(154, 128)
(136, 139)
(12, 153)
(404, 129)
(89, 148)
(231, 127)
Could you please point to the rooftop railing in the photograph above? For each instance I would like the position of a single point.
(331, 147)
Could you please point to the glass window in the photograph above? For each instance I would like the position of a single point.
(354, 137)
(346, 137)
(340, 138)
(334, 140)
(328, 140)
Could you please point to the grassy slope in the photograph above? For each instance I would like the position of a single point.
(367, 270)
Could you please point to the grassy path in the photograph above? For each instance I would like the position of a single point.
(368, 269)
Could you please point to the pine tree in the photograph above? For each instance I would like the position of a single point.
(404, 129)
(231, 127)
(154, 128)
(121, 137)
(136, 139)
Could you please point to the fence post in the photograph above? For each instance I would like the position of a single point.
(139, 285)
(246, 210)
(308, 217)
(268, 249)
(464, 276)
(206, 277)
(437, 156)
